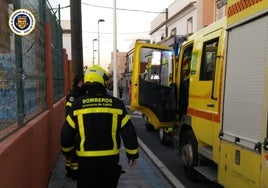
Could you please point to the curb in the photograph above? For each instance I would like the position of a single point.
(163, 169)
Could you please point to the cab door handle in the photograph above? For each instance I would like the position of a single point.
(210, 105)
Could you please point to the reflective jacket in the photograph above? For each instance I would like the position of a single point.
(94, 128)
(73, 94)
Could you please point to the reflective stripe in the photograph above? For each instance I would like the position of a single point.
(74, 166)
(99, 72)
(125, 120)
(114, 128)
(68, 104)
(67, 149)
(68, 163)
(97, 153)
(81, 131)
(98, 110)
(70, 121)
(131, 151)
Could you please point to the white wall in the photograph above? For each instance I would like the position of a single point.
(186, 10)
(66, 24)
(181, 23)
(177, 6)
(156, 36)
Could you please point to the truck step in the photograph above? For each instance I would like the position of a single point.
(207, 171)
(206, 151)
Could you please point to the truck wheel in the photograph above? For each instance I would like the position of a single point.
(148, 126)
(162, 136)
(189, 155)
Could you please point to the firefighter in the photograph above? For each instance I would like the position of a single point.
(93, 130)
(77, 91)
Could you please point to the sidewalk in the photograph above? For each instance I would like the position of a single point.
(143, 175)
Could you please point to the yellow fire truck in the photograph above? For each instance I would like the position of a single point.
(218, 99)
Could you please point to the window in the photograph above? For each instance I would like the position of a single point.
(156, 66)
(186, 63)
(173, 32)
(209, 58)
(190, 25)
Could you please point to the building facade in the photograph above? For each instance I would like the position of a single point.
(182, 17)
(121, 64)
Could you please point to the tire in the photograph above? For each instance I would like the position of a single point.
(162, 136)
(189, 155)
(149, 127)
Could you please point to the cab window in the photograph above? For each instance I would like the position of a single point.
(209, 57)
(156, 66)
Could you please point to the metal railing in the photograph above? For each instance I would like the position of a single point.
(23, 64)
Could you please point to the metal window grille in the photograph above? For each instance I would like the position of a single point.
(23, 64)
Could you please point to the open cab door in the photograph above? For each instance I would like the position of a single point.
(152, 90)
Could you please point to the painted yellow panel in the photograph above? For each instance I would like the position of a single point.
(239, 167)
